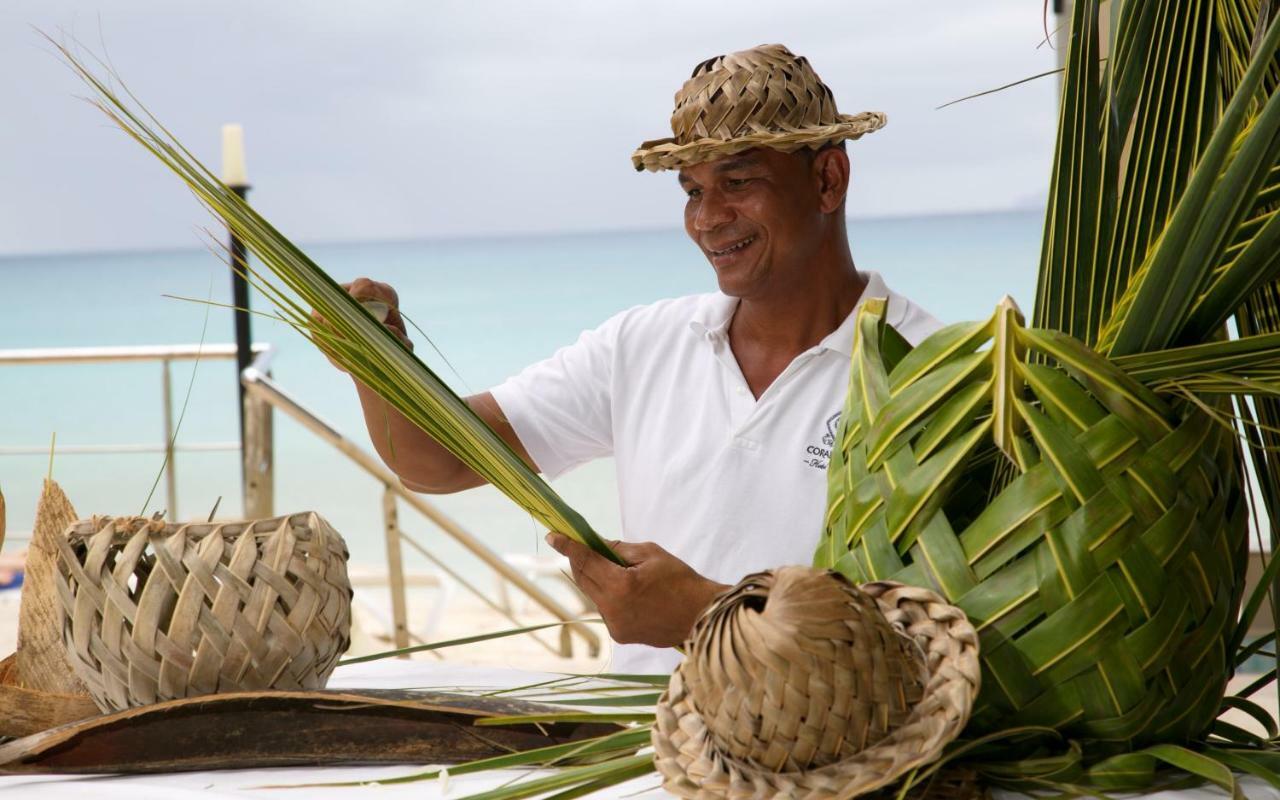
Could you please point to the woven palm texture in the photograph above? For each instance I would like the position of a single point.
(155, 611)
(762, 97)
(798, 684)
(1104, 578)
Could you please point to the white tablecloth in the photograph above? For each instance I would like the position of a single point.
(389, 674)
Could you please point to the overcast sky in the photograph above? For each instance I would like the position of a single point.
(412, 119)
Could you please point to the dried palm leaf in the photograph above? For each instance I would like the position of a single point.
(41, 657)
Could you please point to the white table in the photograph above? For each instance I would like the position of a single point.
(390, 674)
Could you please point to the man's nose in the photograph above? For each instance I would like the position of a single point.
(712, 212)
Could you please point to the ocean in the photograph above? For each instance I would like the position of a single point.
(491, 306)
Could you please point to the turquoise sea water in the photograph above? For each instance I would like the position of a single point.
(491, 306)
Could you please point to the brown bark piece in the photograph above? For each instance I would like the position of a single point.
(42, 661)
(246, 730)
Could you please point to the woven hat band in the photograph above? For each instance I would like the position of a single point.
(763, 97)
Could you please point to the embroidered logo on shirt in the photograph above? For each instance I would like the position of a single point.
(833, 425)
(818, 456)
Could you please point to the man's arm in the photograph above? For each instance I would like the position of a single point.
(422, 463)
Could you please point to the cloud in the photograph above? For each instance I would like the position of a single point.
(406, 119)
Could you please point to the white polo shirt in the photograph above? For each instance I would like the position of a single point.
(729, 483)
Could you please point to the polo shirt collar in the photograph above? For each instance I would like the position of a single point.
(712, 316)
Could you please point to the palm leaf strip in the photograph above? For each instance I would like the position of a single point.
(349, 334)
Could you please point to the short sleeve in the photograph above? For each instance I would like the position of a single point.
(561, 408)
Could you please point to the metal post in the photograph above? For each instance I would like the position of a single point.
(240, 299)
(395, 568)
(171, 481)
(237, 180)
(258, 459)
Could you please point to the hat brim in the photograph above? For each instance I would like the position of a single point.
(662, 154)
(694, 766)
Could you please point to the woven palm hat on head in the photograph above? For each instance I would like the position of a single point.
(763, 97)
(797, 683)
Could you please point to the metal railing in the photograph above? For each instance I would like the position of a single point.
(166, 355)
(262, 397)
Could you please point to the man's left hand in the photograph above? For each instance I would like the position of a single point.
(654, 601)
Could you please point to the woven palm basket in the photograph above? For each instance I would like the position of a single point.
(1092, 530)
(155, 611)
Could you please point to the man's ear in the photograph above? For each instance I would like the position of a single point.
(831, 170)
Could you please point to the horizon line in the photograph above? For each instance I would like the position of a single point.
(500, 236)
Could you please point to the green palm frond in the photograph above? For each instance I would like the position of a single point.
(1067, 298)
(1172, 287)
(350, 335)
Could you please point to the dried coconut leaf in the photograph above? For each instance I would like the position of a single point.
(42, 660)
(27, 711)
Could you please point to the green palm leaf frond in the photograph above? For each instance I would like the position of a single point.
(1160, 303)
(349, 334)
(1066, 298)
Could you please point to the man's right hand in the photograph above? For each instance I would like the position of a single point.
(371, 293)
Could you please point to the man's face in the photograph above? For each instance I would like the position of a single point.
(757, 217)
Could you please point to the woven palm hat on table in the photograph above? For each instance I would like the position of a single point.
(763, 97)
(797, 683)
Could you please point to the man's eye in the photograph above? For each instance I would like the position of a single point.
(735, 183)
(694, 194)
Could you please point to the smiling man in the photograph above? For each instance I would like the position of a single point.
(720, 409)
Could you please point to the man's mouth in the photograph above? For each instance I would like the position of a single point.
(733, 248)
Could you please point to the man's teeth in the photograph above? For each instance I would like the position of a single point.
(737, 246)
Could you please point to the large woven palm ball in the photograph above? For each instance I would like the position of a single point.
(798, 684)
(155, 611)
(1091, 528)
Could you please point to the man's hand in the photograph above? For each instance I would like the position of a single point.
(654, 601)
(375, 296)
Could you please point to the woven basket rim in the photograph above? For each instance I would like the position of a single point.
(88, 527)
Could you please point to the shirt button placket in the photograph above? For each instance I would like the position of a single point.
(742, 405)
